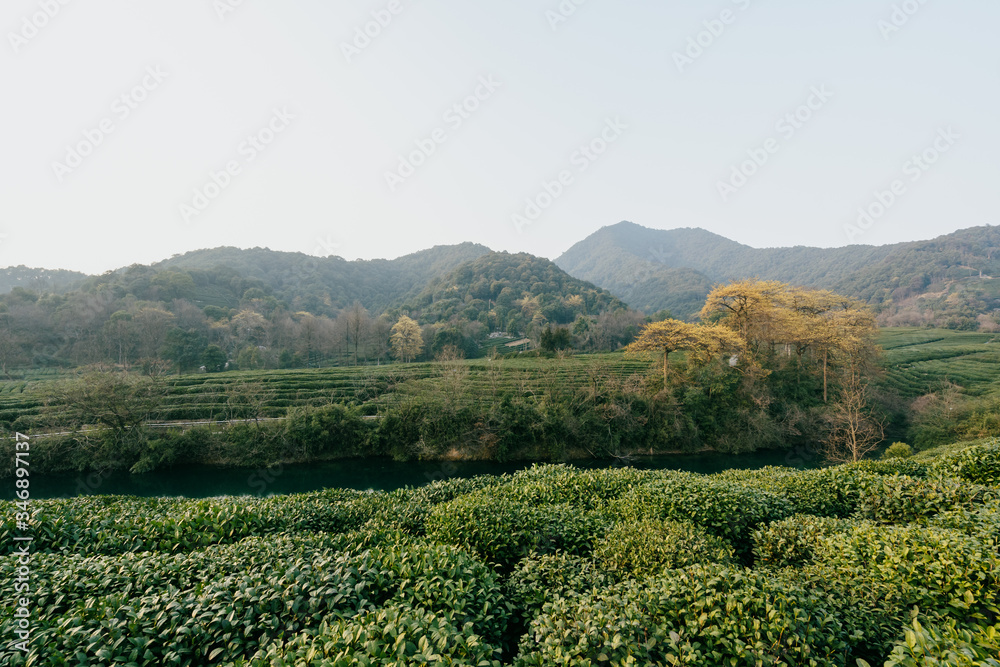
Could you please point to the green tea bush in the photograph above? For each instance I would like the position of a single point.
(891, 466)
(539, 579)
(701, 615)
(637, 549)
(901, 499)
(979, 464)
(982, 522)
(557, 484)
(818, 492)
(940, 571)
(443, 490)
(168, 613)
(503, 531)
(947, 645)
(106, 525)
(724, 509)
(397, 635)
(791, 541)
(116, 525)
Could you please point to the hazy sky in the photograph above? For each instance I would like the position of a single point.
(135, 130)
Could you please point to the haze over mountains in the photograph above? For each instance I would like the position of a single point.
(946, 281)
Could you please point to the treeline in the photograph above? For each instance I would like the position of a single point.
(770, 367)
(159, 321)
(770, 363)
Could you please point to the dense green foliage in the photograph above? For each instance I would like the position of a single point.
(254, 309)
(552, 565)
(509, 292)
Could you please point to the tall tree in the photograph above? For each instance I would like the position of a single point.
(407, 342)
(358, 322)
(671, 335)
(855, 428)
(380, 331)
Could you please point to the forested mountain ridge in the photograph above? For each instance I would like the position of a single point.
(324, 285)
(47, 280)
(714, 256)
(951, 281)
(257, 308)
(269, 306)
(509, 292)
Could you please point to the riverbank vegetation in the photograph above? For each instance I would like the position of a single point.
(771, 367)
(928, 387)
(889, 562)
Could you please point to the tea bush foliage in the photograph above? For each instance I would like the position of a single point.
(891, 562)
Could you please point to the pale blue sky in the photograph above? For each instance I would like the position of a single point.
(320, 187)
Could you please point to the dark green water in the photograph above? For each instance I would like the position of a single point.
(379, 474)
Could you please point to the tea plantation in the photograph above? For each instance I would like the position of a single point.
(881, 563)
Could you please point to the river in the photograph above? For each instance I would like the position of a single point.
(378, 474)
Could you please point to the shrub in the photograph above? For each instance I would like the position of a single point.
(327, 430)
(897, 450)
(230, 602)
(687, 617)
(819, 492)
(903, 499)
(940, 571)
(724, 509)
(948, 644)
(791, 541)
(443, 490)
(893, 466)
(397, 635)
(539, 579)
(556, 484)
(503, 531)
(649, 546)
(979, 464)
(982, 522)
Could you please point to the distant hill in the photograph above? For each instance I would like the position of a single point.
(509, 291)
(322, 285)
(38, 280)
(952, 281)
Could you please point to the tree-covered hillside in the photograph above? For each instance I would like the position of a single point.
(948, 281)
(622, 252)
(50, 280)
(260, 309)
(324, 285)
(511, 292)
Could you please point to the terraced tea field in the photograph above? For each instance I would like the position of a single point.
(924, 360)
(217, 396)
(918, 360)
